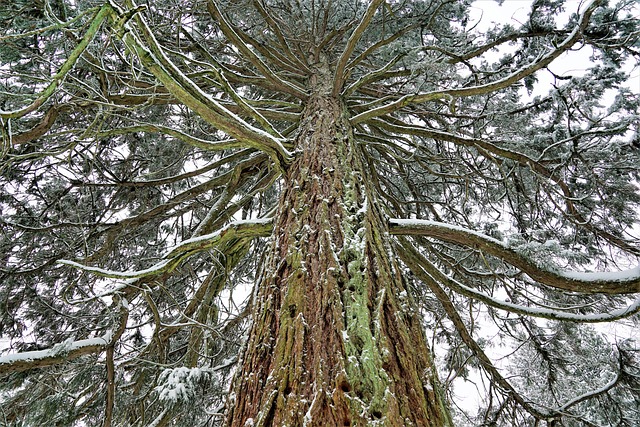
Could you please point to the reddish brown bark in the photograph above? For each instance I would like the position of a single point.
(334, 340)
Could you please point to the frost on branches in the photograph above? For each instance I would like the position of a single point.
(319, 213)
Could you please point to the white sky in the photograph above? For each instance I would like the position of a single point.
(485, 14)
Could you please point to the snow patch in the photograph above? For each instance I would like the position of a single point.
(178, 384)
(427, 223)
(117, 274)
(59, 349)
(607, 276)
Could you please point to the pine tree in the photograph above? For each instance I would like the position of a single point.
(315, 212)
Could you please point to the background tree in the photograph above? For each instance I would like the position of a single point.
(369, 169)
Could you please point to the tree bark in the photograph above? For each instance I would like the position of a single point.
(335, 340)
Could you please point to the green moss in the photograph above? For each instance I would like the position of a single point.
(364, 361)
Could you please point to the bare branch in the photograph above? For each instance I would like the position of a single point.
(39, 129)
(182, 136)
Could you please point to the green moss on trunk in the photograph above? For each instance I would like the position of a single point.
(331, 344)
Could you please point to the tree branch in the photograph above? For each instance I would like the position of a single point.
(541, 312)
(408, 257)
(184, 137)
(188, 92)
(100, 16)
(67, 350)
(271, 22)
(505, 82)
(485, 147)
(340, 72)
(110, 365)
(612, 283)
(57, 354)
(38, 130)
(237, 41)
(235, 230)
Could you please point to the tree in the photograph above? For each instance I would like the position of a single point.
(368, 169)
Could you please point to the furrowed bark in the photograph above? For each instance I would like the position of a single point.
(334, 339)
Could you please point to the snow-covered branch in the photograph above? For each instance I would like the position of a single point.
(351, 45)
(243, 104)
(614, 283)
(235, 230)
(542, 312)
(398, 104)
(173, 257)
(152, 55)
(491, 150)
(538, 64)
(66, 350)
(157, 268)
(592, 393)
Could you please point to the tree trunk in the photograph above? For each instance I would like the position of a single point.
(335, 340)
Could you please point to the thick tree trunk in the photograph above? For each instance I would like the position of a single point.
(334, 340)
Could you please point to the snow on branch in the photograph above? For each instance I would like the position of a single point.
(243, 104)
(113, 274)
(398, 104)
(539, 63)
(100, 16)
(372, 76)
(65, 350)
(488, 149)
(542, 312)
(613, 283)
(235, 230)
(174, 256)
(351, 45)
(69, 349)
(593, 393)
(143, 43)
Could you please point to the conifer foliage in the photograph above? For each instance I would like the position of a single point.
(318, 212)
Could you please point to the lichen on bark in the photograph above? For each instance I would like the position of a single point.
(330, 343)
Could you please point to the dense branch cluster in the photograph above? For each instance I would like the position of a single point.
(144, 149)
